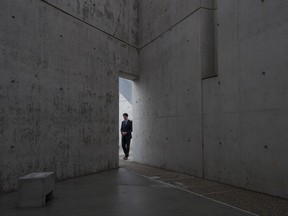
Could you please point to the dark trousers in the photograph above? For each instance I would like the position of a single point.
(126, 145)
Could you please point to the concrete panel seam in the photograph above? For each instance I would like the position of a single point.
(202, 131)
(174, 25)
(209, 77)
(75, 17)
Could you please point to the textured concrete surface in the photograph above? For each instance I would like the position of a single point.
(245, 107)
(157, 17)
(116, 17)
(35, 188)
(59, 89)
(231, 127)
(168, 95)
(120, 192)
(60, 63)
(257, 203)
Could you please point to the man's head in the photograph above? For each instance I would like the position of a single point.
(125, 116)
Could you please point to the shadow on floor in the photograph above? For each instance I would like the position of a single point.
(260, 204)
(119, 192)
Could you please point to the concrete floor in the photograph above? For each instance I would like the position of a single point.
(137, 189)
(119, 192)
(257, 203)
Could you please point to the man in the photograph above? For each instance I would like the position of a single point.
(126, 130)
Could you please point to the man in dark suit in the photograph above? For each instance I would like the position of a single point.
(126, 132)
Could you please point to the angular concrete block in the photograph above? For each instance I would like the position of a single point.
(34, 189)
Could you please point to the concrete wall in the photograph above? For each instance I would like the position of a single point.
(115, 17)
(210, 101)
(245, 108)
(231, 127)
(168, 95)
(59, 87)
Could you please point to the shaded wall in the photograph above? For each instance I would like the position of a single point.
(168, 95)
(59, 87)
(245, 107)
(211, 100)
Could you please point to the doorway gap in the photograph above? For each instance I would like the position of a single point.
(125, 106)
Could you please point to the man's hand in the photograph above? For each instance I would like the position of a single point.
(124, 133)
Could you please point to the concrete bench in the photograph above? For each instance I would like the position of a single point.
(35, 189)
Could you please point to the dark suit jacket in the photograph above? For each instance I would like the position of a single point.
(127, 128)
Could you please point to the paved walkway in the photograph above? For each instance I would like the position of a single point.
(137, 189)
(260, 204)
(119, 192)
